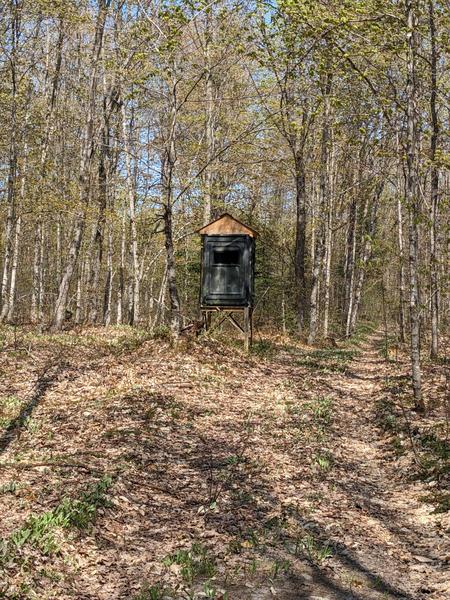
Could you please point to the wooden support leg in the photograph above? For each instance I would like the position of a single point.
(251, 327)
(246, 329)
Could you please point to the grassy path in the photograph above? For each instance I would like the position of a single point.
(131, 470)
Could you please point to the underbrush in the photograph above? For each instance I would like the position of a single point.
(193, 563)
(195, 568)
(425, 441)
(115, 339)
(264, 348)
(327, 359)
(362, 331)
(41, 531)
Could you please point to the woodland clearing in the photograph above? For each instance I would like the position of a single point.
(131, 469)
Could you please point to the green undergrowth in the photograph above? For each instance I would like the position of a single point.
(388, 347)
(9, 409)
(263, 348)
(266, 554)
(428, 445)
(435, 454)
(362, 332)
(440, 500)
(195, 567)
(115, 339)
(283, 534)
(327, 359)
(41, 531)
(194, 562)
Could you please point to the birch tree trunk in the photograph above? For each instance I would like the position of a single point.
(135, 288)
(9, 306)
(434, 189)
(328, 245)
(8, 250)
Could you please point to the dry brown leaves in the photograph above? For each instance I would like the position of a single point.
(208, 446)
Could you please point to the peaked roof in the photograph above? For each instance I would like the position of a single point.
(226, 224)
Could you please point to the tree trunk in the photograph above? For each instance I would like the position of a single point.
(12, 172)
(328, 247)
(350, 264)
(135, 288)
(85, 167)
(7, 257)
(79, 296)
(103, 184)
(58, 250)
(401, 258)
(109, 280)
(210, 130)
(168, 166)
(38, 274)
(324, 202)
(175, 315)
(368, 235)
(300, 236)
(434, 189)
(412, 202)
(9, 306)
(160, 302)
(15, 253)
(37, 284)
(121, 290)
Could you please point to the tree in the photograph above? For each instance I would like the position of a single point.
(412, 199)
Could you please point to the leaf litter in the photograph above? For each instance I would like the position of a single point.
(231, 476)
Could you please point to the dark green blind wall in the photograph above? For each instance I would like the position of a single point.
(227, 270)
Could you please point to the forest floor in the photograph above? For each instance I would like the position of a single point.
(130, 469)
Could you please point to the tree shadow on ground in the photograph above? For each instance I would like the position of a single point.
(46, 379)
(195, 476)
(171, 476)
(347, 560)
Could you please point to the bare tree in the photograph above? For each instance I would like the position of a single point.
(87, 154)
(412, 200)
(434, 187)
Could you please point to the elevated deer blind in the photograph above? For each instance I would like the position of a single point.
(228, 273)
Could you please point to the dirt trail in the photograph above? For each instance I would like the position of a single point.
(392, 543)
